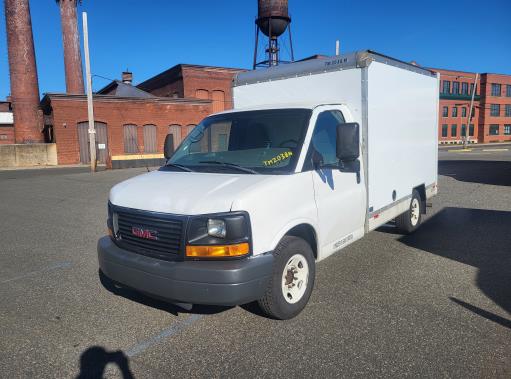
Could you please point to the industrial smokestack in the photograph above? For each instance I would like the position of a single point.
(23, 72)
(70, 39)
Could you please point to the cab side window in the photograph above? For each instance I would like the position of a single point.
(323, 143)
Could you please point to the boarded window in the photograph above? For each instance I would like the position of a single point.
(218, 98)
(202, 94)
(150, 139)
(130, 139)
(175, 130)
(189, 128)
(101, 142)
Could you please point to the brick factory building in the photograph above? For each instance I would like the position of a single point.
(133, 121)
(491, 121)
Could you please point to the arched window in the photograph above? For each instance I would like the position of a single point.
(202, 94)
(175, 130)
(130, 139)
(150, 139)
(218, 98)
(189, 128)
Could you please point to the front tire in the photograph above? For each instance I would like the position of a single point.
(409, 221)
(292, 280)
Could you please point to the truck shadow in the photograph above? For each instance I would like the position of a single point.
(476, 237)
(94, 360)
(152, 302)
(496, 173)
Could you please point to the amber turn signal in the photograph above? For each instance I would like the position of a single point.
(217, 251)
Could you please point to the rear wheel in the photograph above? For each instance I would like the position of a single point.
(409, 221)
(292, 280)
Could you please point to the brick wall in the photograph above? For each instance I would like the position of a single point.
(68, 111)
(6, 134)
(487, 99)
(459, 100)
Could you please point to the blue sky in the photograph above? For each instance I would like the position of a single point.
(148, 37)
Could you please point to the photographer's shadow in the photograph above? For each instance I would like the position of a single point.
(94, 360)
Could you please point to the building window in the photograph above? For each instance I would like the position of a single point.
(464, 88)
(454, 128)
(446, 87)
(445, 112)
(445, 128)
(130, 139)
(494, 130)
(495, 110)
(454, 111)
(508, 90)
(463, 130)
(472, 89)
(495, 89)
(508, 110)
(473, 113)
(175, 130)
(150, 140)
(464, 112)
(222, 142)
(202, 94)
(218, 98)
(507, 129)
(455, 88)
(471, 130)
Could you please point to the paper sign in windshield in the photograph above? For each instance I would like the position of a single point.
(278, 159)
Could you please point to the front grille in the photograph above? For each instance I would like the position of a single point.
(167, 229)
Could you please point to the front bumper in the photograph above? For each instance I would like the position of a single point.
(230, 282)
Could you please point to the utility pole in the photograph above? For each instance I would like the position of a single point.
(90, 108)
(469, 118)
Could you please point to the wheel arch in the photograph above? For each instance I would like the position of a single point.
(305, 231)
(421, 189)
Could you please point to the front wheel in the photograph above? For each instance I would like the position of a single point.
(292, 280)
(409, 221)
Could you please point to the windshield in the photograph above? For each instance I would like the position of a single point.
(260, 142)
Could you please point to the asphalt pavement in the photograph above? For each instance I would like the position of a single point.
(433, 304)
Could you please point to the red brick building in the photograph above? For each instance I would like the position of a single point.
(6, 123)
(133, 121)
(495, 108)
(491, 117)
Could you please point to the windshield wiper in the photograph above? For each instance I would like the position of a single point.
(184, 168)
(232, 165)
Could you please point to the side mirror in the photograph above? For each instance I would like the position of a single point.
(168, 147)
(348, 141)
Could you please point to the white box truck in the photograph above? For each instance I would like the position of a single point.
(314, 155)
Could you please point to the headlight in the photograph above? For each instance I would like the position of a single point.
(225, 235)
(216, 228)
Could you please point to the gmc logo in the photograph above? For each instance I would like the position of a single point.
(144, 233)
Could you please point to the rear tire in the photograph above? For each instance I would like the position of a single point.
(409, 221)
(292, 280)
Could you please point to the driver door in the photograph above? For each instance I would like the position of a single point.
(340, 198)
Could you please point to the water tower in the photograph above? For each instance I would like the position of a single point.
(273, 21)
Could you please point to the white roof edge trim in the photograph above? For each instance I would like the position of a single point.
(346, 61)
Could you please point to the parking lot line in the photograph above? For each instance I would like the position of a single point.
(170, 331)
(459, 150)
(45, 269)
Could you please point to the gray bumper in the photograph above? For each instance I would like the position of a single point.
(231, 282)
